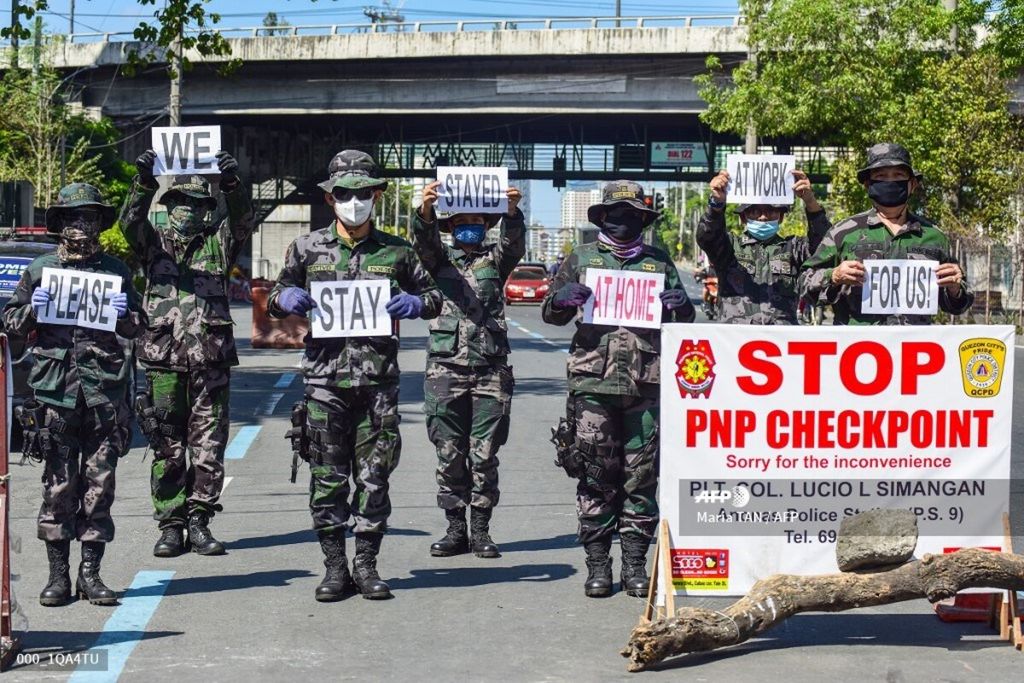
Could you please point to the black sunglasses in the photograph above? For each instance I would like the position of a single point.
(86, 214)
(343, 194)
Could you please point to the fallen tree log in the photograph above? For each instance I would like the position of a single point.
(778, 597)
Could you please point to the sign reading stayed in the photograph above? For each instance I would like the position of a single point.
(80, 299)
(471, 189)
(186, 150)
(900, 287)
(623, 297)
(350, 308)
(760, 179)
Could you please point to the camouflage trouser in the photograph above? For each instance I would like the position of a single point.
(195, 404)
(79, 469)
(352, 432)
(618, 438)
(467, 415)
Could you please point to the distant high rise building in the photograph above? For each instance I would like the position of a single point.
(575, 204)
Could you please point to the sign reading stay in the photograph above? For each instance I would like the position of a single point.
(760, 178)
(471, 189)
(186, 150)
(350, 308)
(624, 297)
(900, 287)
(79, 298)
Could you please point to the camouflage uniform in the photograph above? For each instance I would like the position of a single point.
(758, 280)
(864, 236)
(352, 383)
(613, 398)
(82, 376)
(189, 346)
(469, 384)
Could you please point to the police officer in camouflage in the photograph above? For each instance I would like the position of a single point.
(351, 405)
(758, 271)
(612, 411)
(78, 421)
(889, 230)
(468, 384)
(189, 347)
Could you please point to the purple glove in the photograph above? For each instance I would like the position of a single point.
(572, 295)
(674, 298)
(120, 303)
(403, 305)
(295, 300)
(40, 299)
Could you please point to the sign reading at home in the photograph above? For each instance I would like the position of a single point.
(900, 287)
(350, 308)
(623, 297)
(760, 178)
(471, 189)
(186, 150)
(80, 299)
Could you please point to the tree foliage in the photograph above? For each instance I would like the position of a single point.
(854, 72)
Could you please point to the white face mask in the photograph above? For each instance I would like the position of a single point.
(354, 212)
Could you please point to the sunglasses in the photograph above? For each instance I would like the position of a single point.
(343, 194)
(85, 214)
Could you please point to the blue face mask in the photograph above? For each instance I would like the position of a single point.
(469, 233)
(762, 230)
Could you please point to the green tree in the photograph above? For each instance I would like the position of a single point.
(855, 72)
(273, 24)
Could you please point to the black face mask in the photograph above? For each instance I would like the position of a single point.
(624, 227)
(889, 192)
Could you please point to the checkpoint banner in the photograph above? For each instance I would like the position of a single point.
(770, 440)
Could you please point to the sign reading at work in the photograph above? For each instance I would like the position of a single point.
(186, 150)
(350, 308)
(471, 189)
(900, 287)
(80, 299)
(623, 297)
(760, 178)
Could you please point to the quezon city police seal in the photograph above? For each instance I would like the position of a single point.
(981, 365)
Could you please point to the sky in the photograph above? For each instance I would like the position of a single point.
(116, 16)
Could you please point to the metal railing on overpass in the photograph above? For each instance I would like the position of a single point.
(447, 26)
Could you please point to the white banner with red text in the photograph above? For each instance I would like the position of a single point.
(771, 436)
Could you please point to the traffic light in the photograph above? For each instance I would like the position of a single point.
(649, 202)
(659, 201)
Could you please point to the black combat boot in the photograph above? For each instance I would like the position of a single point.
(199, 536)
(599, 564)
(456, 541)
(89, 585)
(480, 526)
(364, 567)
(337, 579)
(633, 577)
(58, 589)
(171, 543)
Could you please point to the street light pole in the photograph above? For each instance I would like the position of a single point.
(176, 79)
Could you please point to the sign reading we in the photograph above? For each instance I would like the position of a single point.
(186, 150)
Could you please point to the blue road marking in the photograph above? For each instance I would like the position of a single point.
(240, 444)
(286, 380)
(126, 626)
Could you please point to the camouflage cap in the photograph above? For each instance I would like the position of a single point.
(195, 186)
(621, 192)
(886, 154)
(74, 196)
(353, 170)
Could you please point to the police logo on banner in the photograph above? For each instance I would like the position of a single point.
(981, 363)
(695, 373)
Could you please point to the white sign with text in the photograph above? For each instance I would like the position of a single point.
(900, 287)
(186, 150)
(80, 299)
(623, 297)
(350, 308)
(471, 189)
(760, 178)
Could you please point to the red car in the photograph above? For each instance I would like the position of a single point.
(526, 284)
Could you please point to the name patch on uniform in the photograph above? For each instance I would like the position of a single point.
(80, 299)
(320, 267)
(649, 267)
(385, 270)
(350, 308)
(596, 261)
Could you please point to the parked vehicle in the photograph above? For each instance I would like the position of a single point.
(527, 284)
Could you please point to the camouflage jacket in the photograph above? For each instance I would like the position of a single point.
(613, 360)
(471, 329)
(323, 256)
(186, 298)
(864, 236)
(68, 361)
(758, 281)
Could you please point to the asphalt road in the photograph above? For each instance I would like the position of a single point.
(250, 615)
